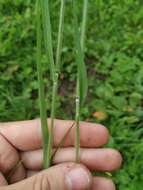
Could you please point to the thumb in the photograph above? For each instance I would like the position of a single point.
(69, 176)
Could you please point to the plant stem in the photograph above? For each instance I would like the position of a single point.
(57, 70)
(50, 59)
(60, 35)
(77, 120)
(53, 108)
(81, 89)
(78, 100)
(43, 115)
(83, 26)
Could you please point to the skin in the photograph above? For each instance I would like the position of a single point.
(21, 152)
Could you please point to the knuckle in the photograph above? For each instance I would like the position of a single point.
(42, 182)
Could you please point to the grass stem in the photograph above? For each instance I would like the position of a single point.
(60, 35)
(81, 88)
(43, 114)
(56, 75)
(77, 120)
(83, 25)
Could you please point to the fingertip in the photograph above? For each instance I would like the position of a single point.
(79, 178)
(105, 133)
(93, 135)
(116, 161)
(119, 158)
(102, 183)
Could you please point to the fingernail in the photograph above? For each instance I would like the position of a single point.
(78, 179)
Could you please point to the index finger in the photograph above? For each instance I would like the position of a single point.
(26, 135)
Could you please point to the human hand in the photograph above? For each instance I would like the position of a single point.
(23, 141)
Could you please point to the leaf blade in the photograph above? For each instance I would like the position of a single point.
(48, 36)
(82, 72)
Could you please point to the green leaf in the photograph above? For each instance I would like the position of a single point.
(48, 36)
(82, 73)
(60, 35)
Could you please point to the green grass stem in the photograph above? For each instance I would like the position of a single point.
(60, 35)
(43, 116)
(81, 89)
(77, 120)
(57, 67)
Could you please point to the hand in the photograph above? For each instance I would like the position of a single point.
(21, 158)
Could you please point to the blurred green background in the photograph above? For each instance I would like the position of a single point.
(114, 58)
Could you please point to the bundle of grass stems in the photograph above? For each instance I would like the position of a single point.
(44, 36)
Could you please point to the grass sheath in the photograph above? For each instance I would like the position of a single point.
(50, 59)
(81, 89)
(43, 115)
(57, 65)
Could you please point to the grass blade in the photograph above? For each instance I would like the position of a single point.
(48, 35)
(82, 73)
(60, 35)
(84, 22)
(43, 115)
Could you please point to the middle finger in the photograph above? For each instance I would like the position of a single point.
(103, 160)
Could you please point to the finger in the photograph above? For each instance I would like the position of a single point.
(101, 183)
(8, 155)
(3, 181)
(95, 159)
(67, 176)
(17, 174)
(31, 173)
(26, 135)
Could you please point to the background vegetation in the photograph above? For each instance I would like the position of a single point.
(114, 57)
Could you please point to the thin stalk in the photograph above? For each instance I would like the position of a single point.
(83, 25)
(43, 115)
(62, 141)
(78, 97)
(81, 89)
(50, 59)
(77, 120)
(60, 35)
(53, 108)
(57, 70)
